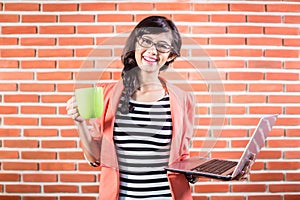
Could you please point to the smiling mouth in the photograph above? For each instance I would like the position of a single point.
(149, 59)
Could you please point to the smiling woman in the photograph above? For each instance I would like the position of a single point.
(147, 122)
(143, 175)
(143, 113)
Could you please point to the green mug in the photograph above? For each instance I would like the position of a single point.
(89, 102)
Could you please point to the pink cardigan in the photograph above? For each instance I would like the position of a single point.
(182, 111)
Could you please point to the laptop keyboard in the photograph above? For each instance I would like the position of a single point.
(215, 166)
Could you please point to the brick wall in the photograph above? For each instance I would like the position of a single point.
(252, 46)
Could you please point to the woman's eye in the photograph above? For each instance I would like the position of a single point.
(146, 41)
(164, 46)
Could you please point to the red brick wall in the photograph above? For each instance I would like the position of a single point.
(252, 45)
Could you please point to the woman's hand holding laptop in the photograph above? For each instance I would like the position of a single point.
(246, 170)
(240, 177)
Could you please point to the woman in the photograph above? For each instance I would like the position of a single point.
(147, 122)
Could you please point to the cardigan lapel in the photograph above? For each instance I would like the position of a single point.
(115, 96)
(177, 106)
(108, 150)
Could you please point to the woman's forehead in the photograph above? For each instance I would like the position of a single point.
(165, 36)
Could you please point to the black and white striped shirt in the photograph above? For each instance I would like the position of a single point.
(142, 138)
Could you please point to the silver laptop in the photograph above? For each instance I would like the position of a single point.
(227, 169)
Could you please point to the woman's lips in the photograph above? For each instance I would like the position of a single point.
(149, 59)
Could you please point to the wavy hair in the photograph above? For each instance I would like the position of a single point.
(149, 25)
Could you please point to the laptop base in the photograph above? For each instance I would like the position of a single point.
(200, 174)
(188, 167)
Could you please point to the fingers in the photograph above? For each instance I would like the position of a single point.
(239, 176)
(252, 156)
(72, 109)
(73, 113)
(71, 106)
(244, 176)
(192, 179)
(251, 159)
(247, 166)
(71, 103)
(246, 170)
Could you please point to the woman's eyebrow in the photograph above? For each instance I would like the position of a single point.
(148, 37)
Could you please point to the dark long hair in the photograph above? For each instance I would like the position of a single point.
(149, 25)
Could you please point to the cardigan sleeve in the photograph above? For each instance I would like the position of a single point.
(97, 127)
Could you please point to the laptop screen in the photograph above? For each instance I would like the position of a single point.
(256, 142)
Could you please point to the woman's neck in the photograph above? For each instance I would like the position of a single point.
(149, 80)
(150, 84)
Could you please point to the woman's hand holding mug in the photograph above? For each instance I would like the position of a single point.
(72, 110)
(87, 103)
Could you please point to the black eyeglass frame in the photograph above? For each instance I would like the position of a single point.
(155, 44)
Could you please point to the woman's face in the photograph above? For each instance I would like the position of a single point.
(152, 51)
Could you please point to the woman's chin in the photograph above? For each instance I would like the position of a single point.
(149, 68)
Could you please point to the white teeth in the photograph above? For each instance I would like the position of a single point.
(150, 59)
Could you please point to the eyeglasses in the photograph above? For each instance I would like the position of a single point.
(161, 46)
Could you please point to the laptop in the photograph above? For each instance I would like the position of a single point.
(226, 169)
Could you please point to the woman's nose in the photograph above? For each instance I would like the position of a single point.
(152, 50)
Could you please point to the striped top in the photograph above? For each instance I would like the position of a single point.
(142, 138)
